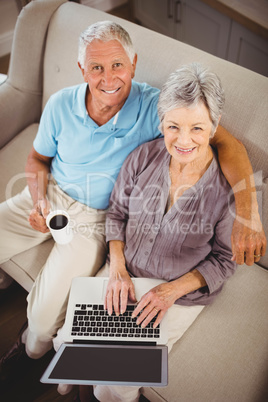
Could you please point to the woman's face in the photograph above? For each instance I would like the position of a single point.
(187, 132)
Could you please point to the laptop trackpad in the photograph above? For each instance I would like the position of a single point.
(141, 285)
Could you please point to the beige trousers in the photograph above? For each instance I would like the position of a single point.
(180, 318)
(83, 256)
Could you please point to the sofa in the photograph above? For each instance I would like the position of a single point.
(224, 354)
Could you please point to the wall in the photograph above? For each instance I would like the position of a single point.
(103, 5)
(8, 16)
(9, 11)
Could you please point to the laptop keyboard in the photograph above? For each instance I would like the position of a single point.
(92, 320)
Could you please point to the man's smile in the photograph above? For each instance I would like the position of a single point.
(113, 91)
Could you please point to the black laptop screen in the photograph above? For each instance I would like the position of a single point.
(109, 364)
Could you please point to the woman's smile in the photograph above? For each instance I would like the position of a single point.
(184, 151)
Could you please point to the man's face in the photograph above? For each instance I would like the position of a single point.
(108, 72)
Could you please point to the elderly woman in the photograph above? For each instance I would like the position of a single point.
(170, 215)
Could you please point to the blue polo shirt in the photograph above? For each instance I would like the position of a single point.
(87, 157)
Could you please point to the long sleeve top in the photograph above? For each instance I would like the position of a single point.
(194, 234)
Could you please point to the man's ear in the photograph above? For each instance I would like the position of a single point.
(134, 63)
(82, 70)
(212, 134)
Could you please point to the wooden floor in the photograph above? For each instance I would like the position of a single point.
(27, 388)
(4, 63)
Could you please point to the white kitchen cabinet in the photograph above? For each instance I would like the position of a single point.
(190, 21)
(201, 26)
(248, 49)
(156, 15)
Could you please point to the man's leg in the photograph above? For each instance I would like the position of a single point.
(83, 256)
(47, 301)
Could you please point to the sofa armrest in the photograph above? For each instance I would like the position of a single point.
(21, 94)
(18, 109)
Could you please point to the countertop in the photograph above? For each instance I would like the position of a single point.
(253, 14)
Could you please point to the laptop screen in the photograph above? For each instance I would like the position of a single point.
(109, 364)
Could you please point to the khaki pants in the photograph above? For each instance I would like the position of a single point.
(83, 256)
(180, 318)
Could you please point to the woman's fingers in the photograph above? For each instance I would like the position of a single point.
(108, 303)
(123, 298)
(159, 318)
(153, 304)
(148, 314)
(117, 295)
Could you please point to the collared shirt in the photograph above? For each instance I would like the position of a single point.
(86, 157)
(194, 233)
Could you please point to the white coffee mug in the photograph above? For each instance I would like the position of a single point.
(58, 223)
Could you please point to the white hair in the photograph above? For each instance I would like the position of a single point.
(188, 86)
(104, 31)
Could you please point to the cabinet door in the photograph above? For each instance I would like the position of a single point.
(203, 27)
(156, 15)
(248, 49)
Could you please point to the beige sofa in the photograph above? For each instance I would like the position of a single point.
(224, 355)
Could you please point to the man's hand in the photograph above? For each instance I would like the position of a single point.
(248, 240)
(37, 218)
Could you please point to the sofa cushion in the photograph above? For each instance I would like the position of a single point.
(24, 267)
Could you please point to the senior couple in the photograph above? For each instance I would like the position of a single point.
(168, 182)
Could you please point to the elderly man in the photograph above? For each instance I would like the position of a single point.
(85, 134)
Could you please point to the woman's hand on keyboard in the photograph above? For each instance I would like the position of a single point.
(154, 304)
(120, 288)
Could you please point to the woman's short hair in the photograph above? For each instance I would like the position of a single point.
(188, 86)
(104, 31)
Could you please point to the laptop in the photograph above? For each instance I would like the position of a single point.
(108, 350)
